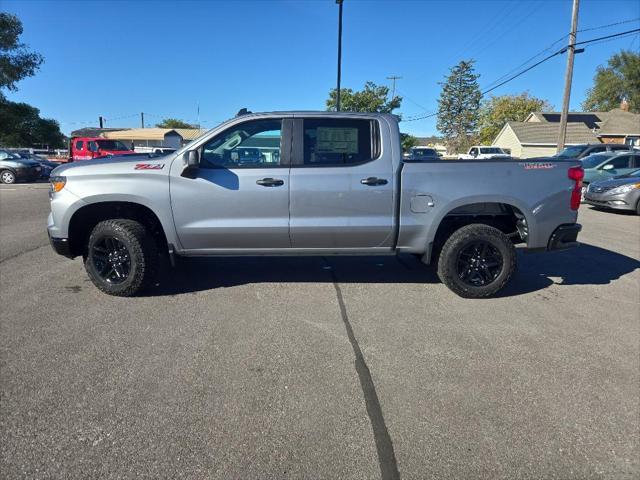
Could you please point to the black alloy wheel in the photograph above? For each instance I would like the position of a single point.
(111, 259)
(479, 263)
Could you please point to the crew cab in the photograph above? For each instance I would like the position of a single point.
(479, 152)
(325, 183)
(87, 148)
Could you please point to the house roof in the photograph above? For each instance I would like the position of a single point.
(613, 122)
(153, 133)
(620, 122)
(546, 133)
(93, 132)
(190, 133)
(139, 133)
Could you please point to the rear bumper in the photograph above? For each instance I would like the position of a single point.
(61, 246)
(564, 237)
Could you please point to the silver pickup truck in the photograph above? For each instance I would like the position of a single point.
(310, 183)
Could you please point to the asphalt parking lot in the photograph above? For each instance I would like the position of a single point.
(355, 368)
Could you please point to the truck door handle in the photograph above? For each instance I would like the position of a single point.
(373, 181)
(270, 182)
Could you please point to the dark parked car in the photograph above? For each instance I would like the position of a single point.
(47, 165)
(422, 153)
(576, 152)
(14, 169)
(620, 193)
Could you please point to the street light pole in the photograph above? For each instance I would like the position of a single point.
(339, 2)
(571, 50)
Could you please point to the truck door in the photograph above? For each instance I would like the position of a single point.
(239, 196)
(341, 184)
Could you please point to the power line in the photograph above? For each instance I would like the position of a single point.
(548, 57)
(585, 42)
(527, 61)
(609, 25)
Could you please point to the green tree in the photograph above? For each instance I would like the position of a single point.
(21, 126)
(16, 61)
(458, 107)
(408, 141)
(173, 123)
(496, 111)
(373, 98)
(619, 80)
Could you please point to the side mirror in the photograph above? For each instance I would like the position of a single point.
(608, 166)
(191, 161)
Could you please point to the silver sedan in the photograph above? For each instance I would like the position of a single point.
(620, 193)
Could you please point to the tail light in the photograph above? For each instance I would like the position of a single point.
(576, 174)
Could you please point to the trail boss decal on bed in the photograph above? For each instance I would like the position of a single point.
(149, 166)
(539, 166)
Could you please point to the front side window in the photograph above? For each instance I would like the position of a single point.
(254, 144)
(79, 145)
(623, 161)
(336, 141)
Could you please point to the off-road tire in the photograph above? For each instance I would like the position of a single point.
(143, 253)
(460, 239)
(7, 177)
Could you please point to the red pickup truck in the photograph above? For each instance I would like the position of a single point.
(86, 148)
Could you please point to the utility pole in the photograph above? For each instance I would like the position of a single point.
(571, 50)
(100, 121)
(339, 2)
(142, 119)
(393, 89)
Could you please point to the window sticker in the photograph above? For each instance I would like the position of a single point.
(337, 140)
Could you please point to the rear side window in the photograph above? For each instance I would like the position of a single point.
(337, 141)
(623, 161)
(79, 145)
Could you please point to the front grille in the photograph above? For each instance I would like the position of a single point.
(599, 188)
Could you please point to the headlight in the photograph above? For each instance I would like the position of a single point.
(57, 183)
(624, 188)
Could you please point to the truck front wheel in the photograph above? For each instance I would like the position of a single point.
(476, 261)
(121, 258)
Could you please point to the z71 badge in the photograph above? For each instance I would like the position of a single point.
(539, 166)
(149, 166)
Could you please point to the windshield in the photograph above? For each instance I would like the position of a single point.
(491, 150)
(572, 152)
(592, 161)
(113, 145)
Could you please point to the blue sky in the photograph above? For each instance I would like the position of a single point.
(119, 58)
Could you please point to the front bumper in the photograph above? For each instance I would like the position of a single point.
(61, 246)
(564, 237)
(617, 202)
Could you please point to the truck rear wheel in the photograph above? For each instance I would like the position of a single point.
(121, 257)
(476, 261)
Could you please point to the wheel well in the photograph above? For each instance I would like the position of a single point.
(86, 218)
(504, 217)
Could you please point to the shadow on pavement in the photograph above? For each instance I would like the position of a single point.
(585, 265)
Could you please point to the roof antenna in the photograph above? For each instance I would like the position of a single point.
(242, 111)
